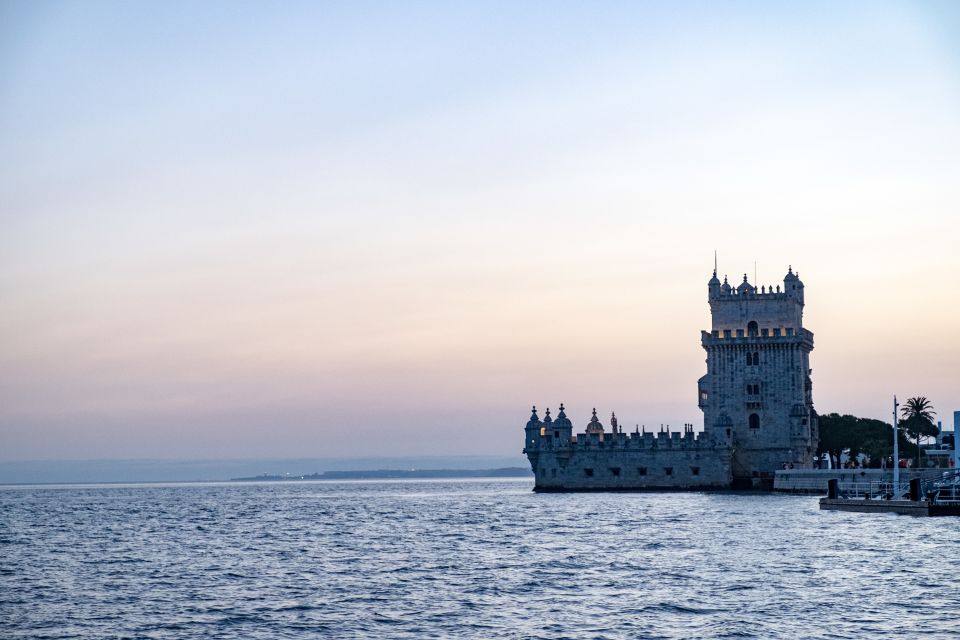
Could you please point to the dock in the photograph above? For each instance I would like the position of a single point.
(920, 497)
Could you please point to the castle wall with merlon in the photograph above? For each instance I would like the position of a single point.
(632, 461)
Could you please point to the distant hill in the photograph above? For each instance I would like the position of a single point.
(204, 470)
(390, 474)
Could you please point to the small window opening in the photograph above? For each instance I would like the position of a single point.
(615, 471)
(752, 328)
(641, 471)
(588, 473)
(695, 470)
(668, 471)
(754, 421)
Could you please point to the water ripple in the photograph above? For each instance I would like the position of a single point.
(480, 559)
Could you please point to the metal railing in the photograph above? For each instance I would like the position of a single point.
(943, 490)
(877, 490)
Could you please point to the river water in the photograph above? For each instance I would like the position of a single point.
(478, 559)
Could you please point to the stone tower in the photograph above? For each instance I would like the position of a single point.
(757, 388)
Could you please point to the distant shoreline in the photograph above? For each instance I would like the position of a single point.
(393, 474)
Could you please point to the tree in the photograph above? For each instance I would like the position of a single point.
(917, 420)
(859, 435)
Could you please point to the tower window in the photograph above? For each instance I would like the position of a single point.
(754, 421)
(752, 328)
(668, 471)
(556, 434)
(641, 471)
(695, 471)
(588, 473)
(615, 471)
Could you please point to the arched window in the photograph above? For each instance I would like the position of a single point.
(749, 359)
(754, 421)
(752, 328)
(756, 358)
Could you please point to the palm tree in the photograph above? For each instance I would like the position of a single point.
(917, 420)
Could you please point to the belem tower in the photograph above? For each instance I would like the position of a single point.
(756, 399)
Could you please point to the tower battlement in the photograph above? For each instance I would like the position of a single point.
(754, 309)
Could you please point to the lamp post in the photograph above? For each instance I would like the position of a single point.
(896, 452)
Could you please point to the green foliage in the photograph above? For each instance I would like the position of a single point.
(917, 419)
(859, 435)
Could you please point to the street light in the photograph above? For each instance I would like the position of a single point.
(896, 452)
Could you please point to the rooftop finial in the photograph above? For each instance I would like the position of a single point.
(714, 263)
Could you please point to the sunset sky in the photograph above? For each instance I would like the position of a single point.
(256, 229)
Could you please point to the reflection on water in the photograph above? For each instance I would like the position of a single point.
(482, 559)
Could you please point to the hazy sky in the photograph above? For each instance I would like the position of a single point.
(282, 229)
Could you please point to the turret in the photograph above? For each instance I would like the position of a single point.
(725, 287)
(713, 286)
(745, 287)
(546, 427)
(793, 286)
(562, 428)
(595, 426)
(533, 431)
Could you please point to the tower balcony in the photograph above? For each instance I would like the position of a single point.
(736, 337)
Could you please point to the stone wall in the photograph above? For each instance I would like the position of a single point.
(632, 462)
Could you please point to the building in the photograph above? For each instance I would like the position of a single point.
(756, 399)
